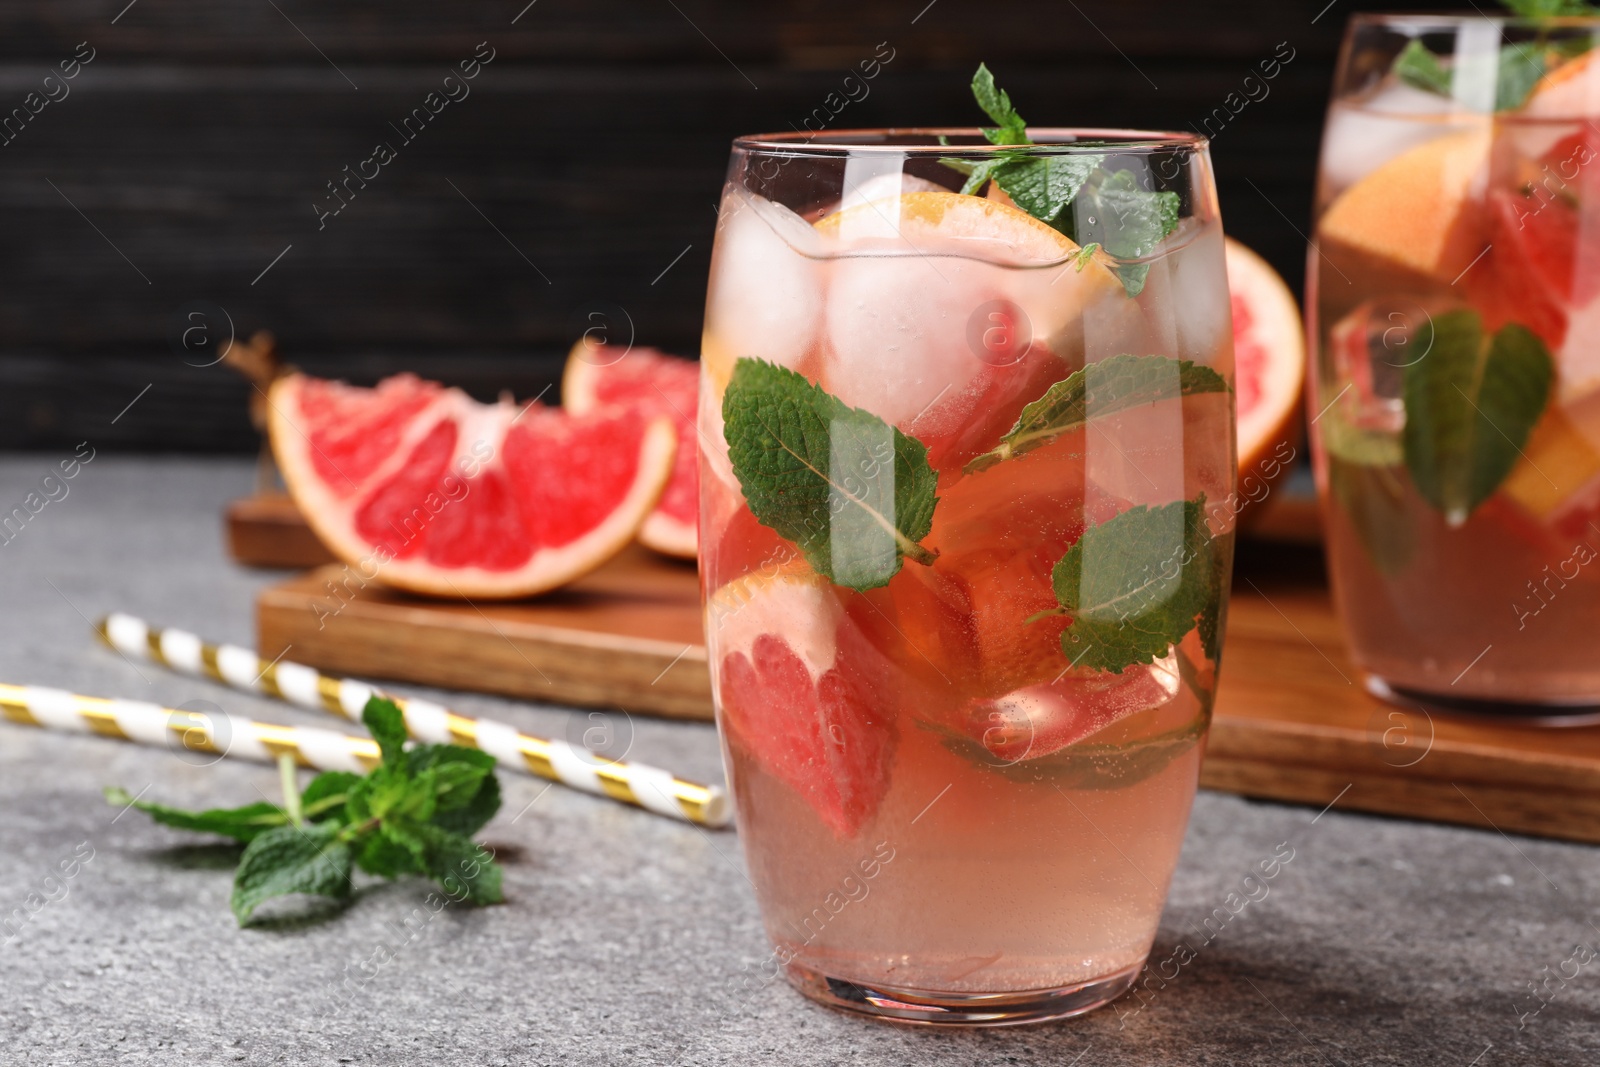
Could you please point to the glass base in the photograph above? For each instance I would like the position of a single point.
(1578, 713)
(921, 1007)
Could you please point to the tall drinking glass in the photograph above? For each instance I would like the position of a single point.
(1454, 299)
(965, 530)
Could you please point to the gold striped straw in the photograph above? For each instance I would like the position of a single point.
(632, 783)
(217, 732)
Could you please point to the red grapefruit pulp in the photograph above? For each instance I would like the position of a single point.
(440, 494)
(801, 692)
(597, 377)
(1269, 359)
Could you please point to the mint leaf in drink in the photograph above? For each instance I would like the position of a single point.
(241, 824)
(1043, 186)
(1136, 584)
(1102, 388)
(1118, 213)
(1471, 401)
(1421, 69)
(412, 814)
(291, 859)
(996, 103)
(852, 492)
(1519, 67)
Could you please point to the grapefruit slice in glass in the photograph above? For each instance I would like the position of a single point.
(427, 490)
(597, 377)
(802, 692)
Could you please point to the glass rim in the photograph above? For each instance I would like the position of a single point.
(1443, 20)
(1056, 140)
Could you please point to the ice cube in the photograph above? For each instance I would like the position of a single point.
(1186, 296)
(1370, 349)
(884, 186)
(1363, 135)
(765, 297)
(897, 336)
(1043, 719)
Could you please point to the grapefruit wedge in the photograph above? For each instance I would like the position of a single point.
(430, 491)
(801, 692)
(1269, 355)
(1415, 218)
(656, 384)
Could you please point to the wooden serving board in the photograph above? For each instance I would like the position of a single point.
(1292, 722)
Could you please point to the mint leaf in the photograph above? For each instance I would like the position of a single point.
(1421, 69)
(381, 855)
(291, 859)
(1044, 185)
(459, 865)
(1135, 585)
(327, 795)
(1213, 616)
(1521, 67)
(1518, 69)
(1470, 404)
(387, 725)
(241, 824)
(1127, 220)
(978, 174)
(852, 492)
(1105, 387)
(996, 103)
(461, 809)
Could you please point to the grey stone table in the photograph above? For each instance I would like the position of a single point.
(1382, 942)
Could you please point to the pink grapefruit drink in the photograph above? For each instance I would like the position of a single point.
(964, 540)
(1457, 389)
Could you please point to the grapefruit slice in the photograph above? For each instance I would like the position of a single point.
(436, 493)
(1269, 360)
(801, 692)
(655, 384)
(1414, 215)
(929, 325)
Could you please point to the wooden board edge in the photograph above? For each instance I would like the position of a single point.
(1492, 806)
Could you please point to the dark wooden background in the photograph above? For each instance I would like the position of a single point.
(589, 154)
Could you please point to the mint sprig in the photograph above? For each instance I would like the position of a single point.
(1117, 212)
(1471, 401)
(996, 103)
(1102, 388)
(413, 814)
(851, 491)
(1113, 210)
(1136, 584)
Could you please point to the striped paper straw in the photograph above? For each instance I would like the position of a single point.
(632, 783)
(218, 732)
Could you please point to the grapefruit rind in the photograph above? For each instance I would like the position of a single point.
(1277, 328)
(331, 516)
(580, 380)
(1415, 213)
